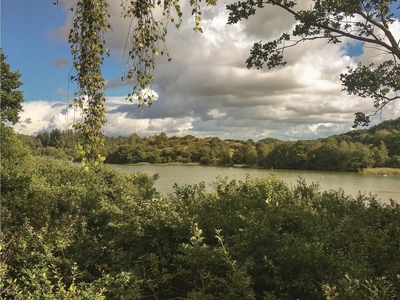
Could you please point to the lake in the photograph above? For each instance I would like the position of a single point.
(352, 183)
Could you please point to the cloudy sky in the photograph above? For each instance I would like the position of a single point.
(206, 90)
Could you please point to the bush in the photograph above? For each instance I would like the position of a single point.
(95, 234)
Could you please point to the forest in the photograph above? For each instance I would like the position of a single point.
(377, 146)
(73, 233)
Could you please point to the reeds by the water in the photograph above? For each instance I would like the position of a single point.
(381, 171)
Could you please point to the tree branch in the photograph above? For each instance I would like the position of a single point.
(392, 48)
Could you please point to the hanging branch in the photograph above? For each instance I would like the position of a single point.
(88, 49)
(147, 40)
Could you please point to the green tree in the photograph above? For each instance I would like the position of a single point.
(161, 140)
(380, 155)
(55, 137)
(16, 161)
(367, 21)
(11, 97)
(44, 138)
(393, 143)
(239, 154)
(262, 153)
(206, 156)
(280, 156)
(380, 136)
(326, 156)
(298, 155)
(361, 157)
(128, 154)
(251, 156)
(153, 155)
(134, 139)
(33, 143)
(344, 156)
(224, 156)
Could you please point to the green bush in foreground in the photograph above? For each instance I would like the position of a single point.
(68, 233)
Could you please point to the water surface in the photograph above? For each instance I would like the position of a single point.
(352, 183)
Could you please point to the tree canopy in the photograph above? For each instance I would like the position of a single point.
(367, 21)
(11, 97)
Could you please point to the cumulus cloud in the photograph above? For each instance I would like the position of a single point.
(41, 115)
(207, 90)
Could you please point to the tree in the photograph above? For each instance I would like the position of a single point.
(298, 155)
(224, 155)
(380, 155)
(88, 48)
(15, 163)
(367, 21)
(11, 97)
(55, 137)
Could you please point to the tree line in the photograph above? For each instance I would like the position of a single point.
(378, 146)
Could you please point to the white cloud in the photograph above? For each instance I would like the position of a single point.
(40, 115)
(215, 113)
(207, 90)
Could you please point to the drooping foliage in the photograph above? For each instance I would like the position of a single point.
(88, 47)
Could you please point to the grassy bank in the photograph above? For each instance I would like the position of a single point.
(381, 171)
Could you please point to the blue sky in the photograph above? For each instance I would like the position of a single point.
(30, 40)
(26, 40)
(205, 91)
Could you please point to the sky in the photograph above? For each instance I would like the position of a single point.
(206, 90)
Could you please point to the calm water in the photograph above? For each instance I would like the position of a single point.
(352, 183)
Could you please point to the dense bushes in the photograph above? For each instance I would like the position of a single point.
(68, 233)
